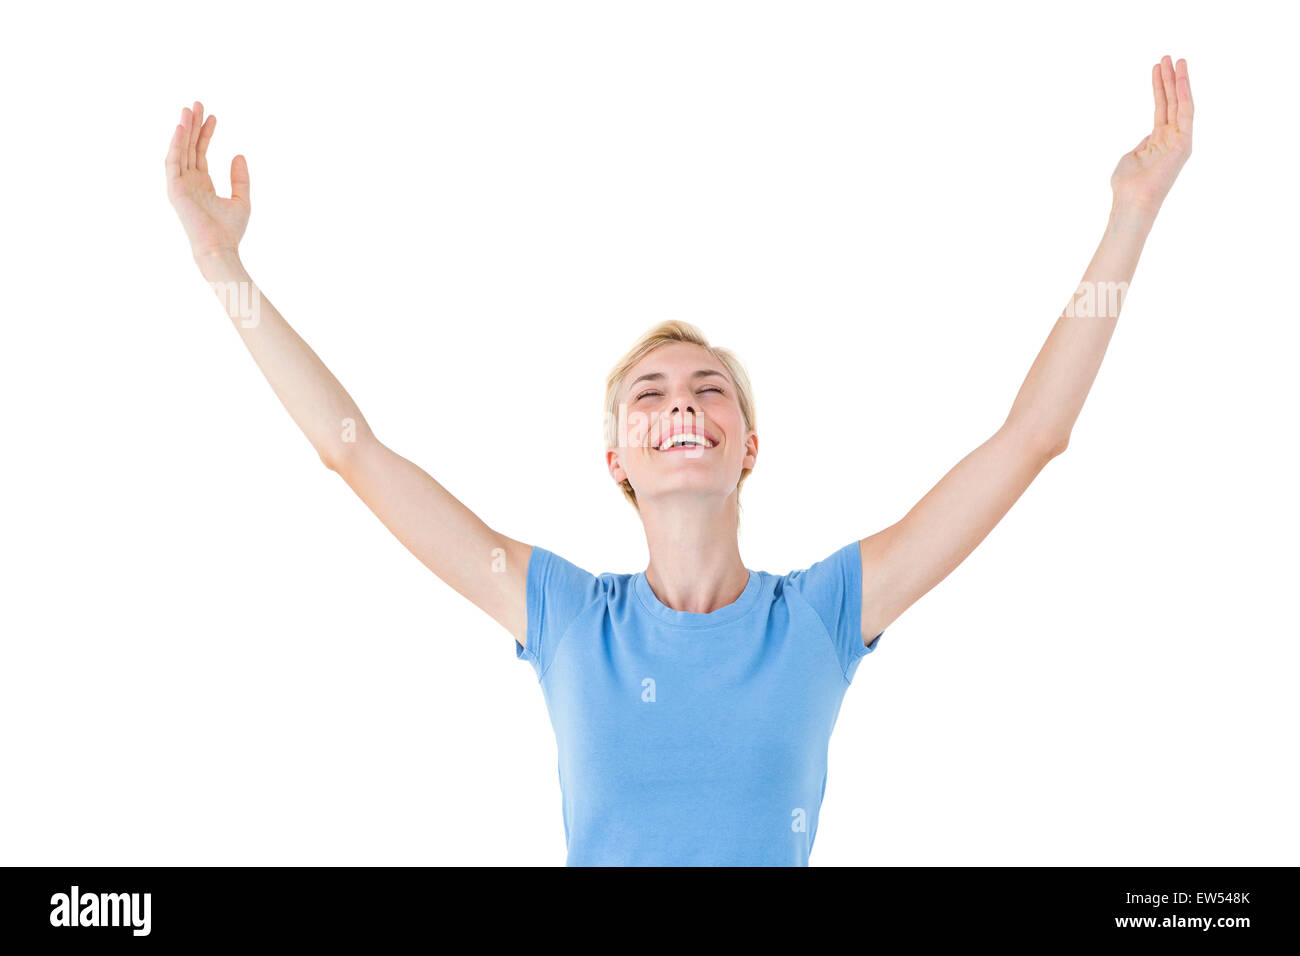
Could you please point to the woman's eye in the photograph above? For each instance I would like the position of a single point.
(709, 388)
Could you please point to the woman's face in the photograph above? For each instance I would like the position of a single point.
(680, 393)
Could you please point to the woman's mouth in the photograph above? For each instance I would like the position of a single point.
(683, 440)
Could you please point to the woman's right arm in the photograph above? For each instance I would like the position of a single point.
(487, 568)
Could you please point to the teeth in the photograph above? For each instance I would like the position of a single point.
(687, 439)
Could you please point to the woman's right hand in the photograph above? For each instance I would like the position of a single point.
(214, 225)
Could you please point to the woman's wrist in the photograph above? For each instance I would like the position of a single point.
(1130, 217)
(218, 263)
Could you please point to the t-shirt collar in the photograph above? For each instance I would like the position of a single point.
(723, 615)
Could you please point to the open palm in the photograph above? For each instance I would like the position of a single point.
(1144, 175)
(212, 223)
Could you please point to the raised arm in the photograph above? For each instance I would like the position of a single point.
(907, 559)
(484, 566)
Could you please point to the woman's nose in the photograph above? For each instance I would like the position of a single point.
(682, 402)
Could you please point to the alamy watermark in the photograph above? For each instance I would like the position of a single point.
(101, 909)
(1097, 300)
(651, 429)
(242, 300)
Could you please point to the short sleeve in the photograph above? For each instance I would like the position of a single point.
(833, 588)
(557, 592)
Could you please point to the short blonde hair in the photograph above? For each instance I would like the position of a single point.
(666, 333)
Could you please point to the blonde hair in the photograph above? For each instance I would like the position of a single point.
(666, 333)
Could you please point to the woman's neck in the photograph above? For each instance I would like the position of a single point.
(695, 560)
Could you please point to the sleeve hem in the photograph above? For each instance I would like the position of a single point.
(532, 626)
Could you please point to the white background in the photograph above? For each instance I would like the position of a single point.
(213, 653)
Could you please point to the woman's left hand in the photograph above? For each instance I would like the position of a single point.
(1145, 175)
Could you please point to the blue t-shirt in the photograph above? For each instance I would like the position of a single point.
(690, 739)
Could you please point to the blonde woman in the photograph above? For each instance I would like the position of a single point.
(693, 701)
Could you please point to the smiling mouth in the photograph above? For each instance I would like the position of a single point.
(674, 448)
(686, 440)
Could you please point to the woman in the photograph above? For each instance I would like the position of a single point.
(693, 702)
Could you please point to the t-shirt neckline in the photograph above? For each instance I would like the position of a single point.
(723, 615)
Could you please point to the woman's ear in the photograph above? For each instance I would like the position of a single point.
(615, 469)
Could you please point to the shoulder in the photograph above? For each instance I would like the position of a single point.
(834, 575)
(554, 579)
(832, 589)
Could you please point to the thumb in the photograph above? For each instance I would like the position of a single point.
(239, 178)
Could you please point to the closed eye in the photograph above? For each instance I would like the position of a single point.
(707, 388)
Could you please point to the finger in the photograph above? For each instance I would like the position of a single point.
(173, 160)
(1184, 87)
(1171, 94)
(195, 125)
(239, 178)
(1158, 91)
(205, 137)
(186, 118)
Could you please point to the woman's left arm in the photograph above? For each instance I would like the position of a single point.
(907, 559)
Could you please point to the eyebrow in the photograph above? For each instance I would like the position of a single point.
(659, 375)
